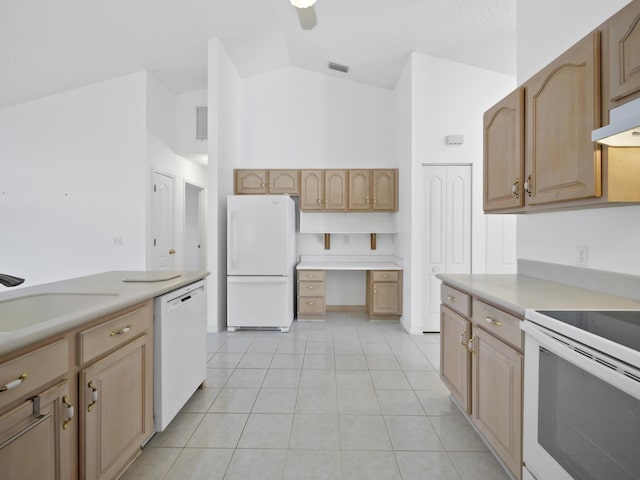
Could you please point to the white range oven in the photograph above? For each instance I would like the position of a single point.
(581, 395)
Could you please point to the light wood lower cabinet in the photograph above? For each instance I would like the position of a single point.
(117, 414)
(384, 294)
(39, 447)
(311, 294)
(481, 362)
(94, 385)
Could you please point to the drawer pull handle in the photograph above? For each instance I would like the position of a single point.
(122, 331)
(310, 275)
(70, 411)
(451, 299)
(310, 288)
(94, 395)
(493, 322)
(14, 383)
(38, 419)
(470, 345)
(311, 303)
(385, 276)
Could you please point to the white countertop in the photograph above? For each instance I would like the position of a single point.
(517, 293)
(119, 294)
(348, 266)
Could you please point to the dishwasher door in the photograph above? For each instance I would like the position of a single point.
(180, 350)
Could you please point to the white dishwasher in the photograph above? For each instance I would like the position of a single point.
(180, 349)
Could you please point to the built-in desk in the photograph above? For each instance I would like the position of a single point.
(383, 285)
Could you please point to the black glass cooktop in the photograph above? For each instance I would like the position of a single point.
(621, 327)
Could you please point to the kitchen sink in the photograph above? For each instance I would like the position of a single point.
(23, 312)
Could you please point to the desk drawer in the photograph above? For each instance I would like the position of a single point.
(115, 332)
(385, 275)
(455, 299)
(503, 325)
(307, 289)
(311, 305)
(311, 275)
(29, 372)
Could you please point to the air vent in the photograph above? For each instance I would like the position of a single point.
(338, 67)
(201, 124)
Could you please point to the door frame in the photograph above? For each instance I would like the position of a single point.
(202, 230)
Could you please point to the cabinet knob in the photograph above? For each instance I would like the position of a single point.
(515, 188)
(172, 251)
(69, 410)
(93, 395)
(319, 201)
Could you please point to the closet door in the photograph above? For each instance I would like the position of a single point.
(446, 226)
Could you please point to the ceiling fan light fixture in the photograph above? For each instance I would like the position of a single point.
(302, 3)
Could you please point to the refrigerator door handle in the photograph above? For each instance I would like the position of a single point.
(231, 245)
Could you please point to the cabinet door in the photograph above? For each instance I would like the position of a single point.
(624, 52)
(359, 190)
(504, 153)
(39, 449)
(385, 298)
(384, 191)
(562, 108)
(335, 190)
(455, 368)
(251, 182)
(497, 397)
(311, 189)
(116, 398)
(284, 181)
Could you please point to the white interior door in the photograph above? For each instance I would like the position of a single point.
(162, 218)
(447, 232)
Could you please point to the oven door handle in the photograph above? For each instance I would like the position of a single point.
(628, 382)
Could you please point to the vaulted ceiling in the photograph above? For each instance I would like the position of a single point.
(51, 46)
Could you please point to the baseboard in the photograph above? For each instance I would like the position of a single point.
(346, 308)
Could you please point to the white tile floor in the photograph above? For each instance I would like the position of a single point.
(341, 399)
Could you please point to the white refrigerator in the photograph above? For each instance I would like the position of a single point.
(261, 257)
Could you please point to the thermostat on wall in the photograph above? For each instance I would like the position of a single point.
(454, 139)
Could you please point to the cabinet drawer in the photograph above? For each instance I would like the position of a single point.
(114, 333)
(306, 289)
(385, 275)
(316, 275)
(503, 325)
(455, 299)
(27, 373)
(311, 305)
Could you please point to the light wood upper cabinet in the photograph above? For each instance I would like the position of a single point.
(623, 32)
(497, 396)
(335, 190)
(359, 189)
(562, 108)
(284, 181)
(266, 181)
(251, 182)
(384, 190)
(311, 190)
(504, 153)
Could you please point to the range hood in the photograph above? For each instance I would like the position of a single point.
(623, 129)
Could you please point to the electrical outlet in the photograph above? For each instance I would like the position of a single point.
(582, 255)
(117, 241)
(345, 239)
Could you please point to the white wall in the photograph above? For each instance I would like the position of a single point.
(450, 98)
(73, 176)
(613, 233)
(300, 119)
(223, 151)
(161, 156)
(186, 144)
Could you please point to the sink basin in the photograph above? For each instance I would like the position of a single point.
(23, 312)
